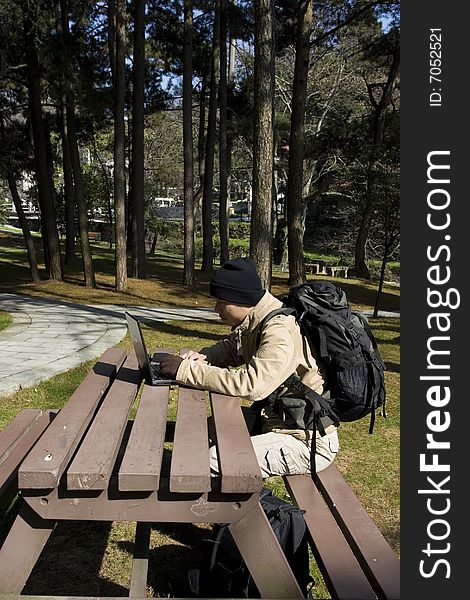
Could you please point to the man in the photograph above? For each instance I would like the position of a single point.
(252, 364)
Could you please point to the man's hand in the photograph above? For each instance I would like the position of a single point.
(169, 366)
(193, 355)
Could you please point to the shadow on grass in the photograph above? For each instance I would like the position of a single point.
(70, 563)
(170, 328)
(183, 547)
(169, 564)
(392, 535)
(395, 341)
(357, 291)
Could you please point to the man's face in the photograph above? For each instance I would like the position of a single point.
(232, 314)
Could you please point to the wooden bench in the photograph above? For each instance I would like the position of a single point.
(94, 236)
(337, 271)
(355, 559)
(323, 268)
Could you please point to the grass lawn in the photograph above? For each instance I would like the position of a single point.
(162, 288)
(95, 559)
(5, 320)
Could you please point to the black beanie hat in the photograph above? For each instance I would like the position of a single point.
(237, 281)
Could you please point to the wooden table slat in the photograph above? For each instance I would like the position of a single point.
(140, 467)
(47, 461)
(140, 561)
(190, 471)
(9, 467)
(264, 556)
(370, 547)
(14, 431)
(21, 549)
(93, 464)
(239, 467)
(160, 352)
(342, 573)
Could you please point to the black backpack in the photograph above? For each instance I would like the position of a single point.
(226, 575)
(343, 341)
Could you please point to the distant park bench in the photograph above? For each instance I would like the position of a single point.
(325, 268)
(94, 236)
(321, 267)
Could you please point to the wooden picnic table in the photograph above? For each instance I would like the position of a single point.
(88, 466)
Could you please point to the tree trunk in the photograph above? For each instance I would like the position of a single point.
(70, 133)
(263, 143)
(223, 199)
(207, 244)
(360, 265)
(120, 150)
(154, 242)
(28, 239)
(29, 242)
(295, 211)
(128, 206)
(189, 247)
(104, 171)
(69, 194)
(44, 182)
(139, 266)
(200, 150)
(112, 38)
(381, 283)
(88, 271)
(230, 93)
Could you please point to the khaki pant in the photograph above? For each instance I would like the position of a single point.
(281, 454)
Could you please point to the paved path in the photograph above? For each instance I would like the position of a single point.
(48, 336)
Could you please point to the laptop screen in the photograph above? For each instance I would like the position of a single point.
(137, 338)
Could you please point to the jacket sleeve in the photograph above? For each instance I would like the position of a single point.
(269, 367)
(223, 353)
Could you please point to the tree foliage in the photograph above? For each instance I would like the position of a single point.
(348, 137)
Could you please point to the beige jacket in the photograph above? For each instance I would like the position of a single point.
(282, 351)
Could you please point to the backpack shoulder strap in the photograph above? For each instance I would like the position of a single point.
(278, 311)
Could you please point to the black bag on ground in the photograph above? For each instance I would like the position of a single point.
(226, 574)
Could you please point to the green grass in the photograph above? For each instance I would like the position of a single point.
(370, 463)
(5, 320)
(162, 288)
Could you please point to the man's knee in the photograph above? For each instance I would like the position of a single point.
(327, 447)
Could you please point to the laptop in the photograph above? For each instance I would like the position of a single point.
(150, 369)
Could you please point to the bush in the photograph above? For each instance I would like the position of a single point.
(392, 271)
(236, 247)
(171, 238)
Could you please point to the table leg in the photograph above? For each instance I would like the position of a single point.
(140, 561)
(21, 549)
(264, 556)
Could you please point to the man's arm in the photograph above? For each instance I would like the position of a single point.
(273, 362)
(223, 353)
